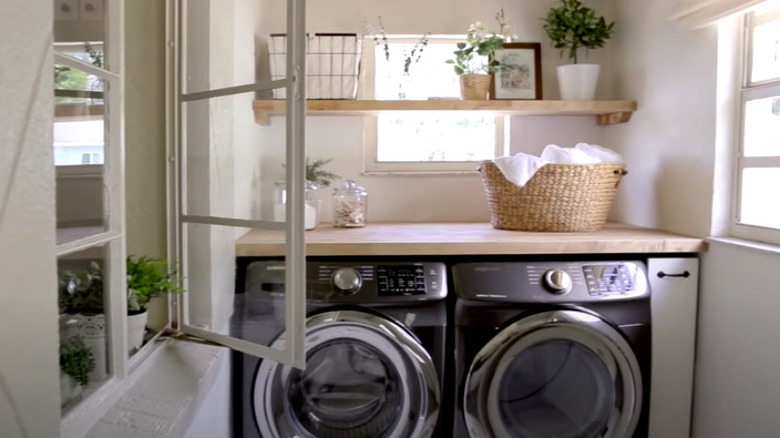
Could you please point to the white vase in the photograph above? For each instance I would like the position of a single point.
(136, 327)
(69, 388)
(578, 81)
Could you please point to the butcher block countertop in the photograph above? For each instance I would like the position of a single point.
(455, 238)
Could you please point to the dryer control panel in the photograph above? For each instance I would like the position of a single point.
(551, 282)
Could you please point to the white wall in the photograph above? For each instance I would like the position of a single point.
(426, 198)
(675, 145)
(29, 374)
(737, 390)
(669, 144)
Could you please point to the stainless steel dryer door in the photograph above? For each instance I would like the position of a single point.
(563, 374)
(365, 376)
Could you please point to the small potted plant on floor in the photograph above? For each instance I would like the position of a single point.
(572, 27)
(76, 364)
(147, 278)
(475, 61)
(81, 312)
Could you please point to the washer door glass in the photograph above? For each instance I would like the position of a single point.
(556, 388)
(349, 388)
(365, 377)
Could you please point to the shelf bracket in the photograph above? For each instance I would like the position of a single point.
(262, 118)
(613, 118)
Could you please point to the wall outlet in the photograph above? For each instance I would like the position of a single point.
(66, 10)
(91, 10)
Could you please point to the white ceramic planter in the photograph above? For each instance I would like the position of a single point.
(578, 81)
(69, 388)
(136, 327)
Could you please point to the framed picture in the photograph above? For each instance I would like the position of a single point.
(523, 80)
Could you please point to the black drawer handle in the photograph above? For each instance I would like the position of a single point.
(662, 274)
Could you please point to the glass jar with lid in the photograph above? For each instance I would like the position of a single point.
(349, 202)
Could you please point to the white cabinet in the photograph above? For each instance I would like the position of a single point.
(674, 287)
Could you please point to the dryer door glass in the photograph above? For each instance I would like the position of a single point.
(365, 376)
(556, 388)
(565, 374)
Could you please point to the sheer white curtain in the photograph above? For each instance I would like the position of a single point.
(700, 13)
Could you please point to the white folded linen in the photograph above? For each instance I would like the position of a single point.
(519, 169)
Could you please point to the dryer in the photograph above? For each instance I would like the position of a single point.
(552, 349)
(375, 345)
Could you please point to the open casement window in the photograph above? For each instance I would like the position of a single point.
(88, 129)
(423, 141)
(756, 204)
(216, 188)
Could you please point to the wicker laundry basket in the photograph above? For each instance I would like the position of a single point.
(559, 197)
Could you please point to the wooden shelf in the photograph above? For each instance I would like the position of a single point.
(607, 112)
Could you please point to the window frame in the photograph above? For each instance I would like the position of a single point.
(748, 91)
(81, 417)
(371, 163)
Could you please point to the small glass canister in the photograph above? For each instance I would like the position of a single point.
(350, 202)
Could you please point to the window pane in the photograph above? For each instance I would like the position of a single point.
(762, 128)
(766, 51)
(760, 205)
(83, 327)
(435, 137)
(80, 135)
(424, 76)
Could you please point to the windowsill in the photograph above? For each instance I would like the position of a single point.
(166, 394)
(747, 244)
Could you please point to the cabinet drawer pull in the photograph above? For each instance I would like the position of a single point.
(662, 274)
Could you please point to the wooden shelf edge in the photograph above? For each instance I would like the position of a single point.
(607, 112)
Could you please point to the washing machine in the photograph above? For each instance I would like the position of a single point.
(375, 344)
(552, 349)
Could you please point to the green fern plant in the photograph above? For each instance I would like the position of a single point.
(316, 174)
(77, 360)
(148, 278)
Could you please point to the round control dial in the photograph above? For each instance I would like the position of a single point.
(557, 281)
(346, 281)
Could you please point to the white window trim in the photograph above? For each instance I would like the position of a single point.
(371, 163)
(82, 416)
(748, 91)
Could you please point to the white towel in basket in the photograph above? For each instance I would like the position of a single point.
(519, 169)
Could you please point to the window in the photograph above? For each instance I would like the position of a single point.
(757, 206)
(426, 141)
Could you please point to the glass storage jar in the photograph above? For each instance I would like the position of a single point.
(349, 202)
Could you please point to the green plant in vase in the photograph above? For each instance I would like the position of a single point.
(147, 278)
(475, 59)
(571, 27)
(77, 362)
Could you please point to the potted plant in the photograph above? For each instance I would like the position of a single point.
(572, 27)
(81, 309)
(474, 60)
(76, 364)
(147, 278)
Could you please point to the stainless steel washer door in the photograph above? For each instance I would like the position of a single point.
(563, 374)
(365, 377)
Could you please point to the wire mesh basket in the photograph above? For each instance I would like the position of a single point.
(332, 64)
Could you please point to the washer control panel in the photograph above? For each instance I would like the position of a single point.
(350, 281)
(551, 282)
